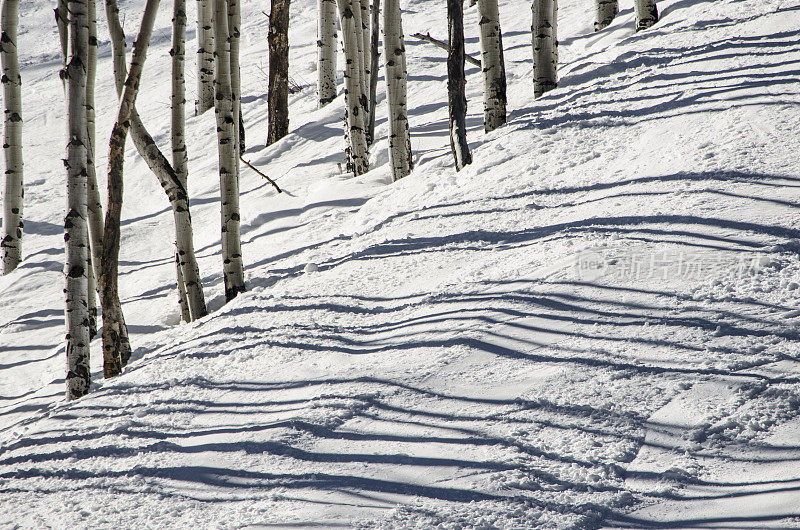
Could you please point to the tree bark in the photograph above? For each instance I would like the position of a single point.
(205, 56)
(233, 273)
(445, 46)
(646, 14)
(116, 347)
(395, 63)
(355, 99)
(605, 12)
(234, 21)
(374, 57)
(14, 195)
(493, 65)
(456, 96)
(278, 94)
(545, 54)
(190, 287)
(76, 241)
(326, 52)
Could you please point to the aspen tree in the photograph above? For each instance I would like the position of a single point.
(367, 61)
(374, 57)
(396, 78)
(234, 21)
(457, 99)
(355, 100)
(205, 56)
(646, 13)
(326, 52)
(358, 32)
(76, 241)
(14, 194)
(233, 273)
(492, 65)
(95, 206)
(278, 89)
(116, 348)
(605, 12)
(545, 51)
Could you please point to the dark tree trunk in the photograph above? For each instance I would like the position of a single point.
(278, 91)
(456, 96)
(373, 72)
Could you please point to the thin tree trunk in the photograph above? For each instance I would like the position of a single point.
(545, 58)
(95, 206)
(233, 273)
(205, 56)
(156, 161)
(493, 65)
(367, 60)
(13, 197)
(326, 52)
(278, 93)
(234, 21)
(373, 69)
(91, 293)
(445, 46)
(355, 100)
(605, 12)
(457, 99)
(190, 288)
(646, 13)
(78, 376)
(358, 30)
(395, 61)
(116, 348)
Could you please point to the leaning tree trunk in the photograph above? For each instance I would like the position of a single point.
(326, 52)
(355, 99)
(492, 65)
(116, 348)
(395, 52)
(233, 273)
(374, 57)
(457, 99)
(205, 56)
(278, 90)
(646, 13)
(11, 243)
(190, 287)
(605, 12)
(75, 229)
(545, 58)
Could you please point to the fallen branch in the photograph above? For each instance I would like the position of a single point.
(443, 45)
(248, 164)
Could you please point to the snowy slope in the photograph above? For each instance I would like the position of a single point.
(594, 324)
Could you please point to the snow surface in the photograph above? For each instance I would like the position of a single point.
(595, 324)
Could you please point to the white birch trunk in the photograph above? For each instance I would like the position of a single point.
(358, 32)
(456, 96)
(646, 13)
(14, 194)
(374, 57)
(190, 287)
(545, 54)
(492, 65)
(95, 206)
(233, 273)
(396, 78)
(355, 100)
(76, 242)
(326, 52)
(234, 21)
(605, 12)
(205, 56)
(365, 47)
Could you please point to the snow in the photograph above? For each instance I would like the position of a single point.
(593, 325)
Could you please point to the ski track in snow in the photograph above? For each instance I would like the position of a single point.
(593, 325)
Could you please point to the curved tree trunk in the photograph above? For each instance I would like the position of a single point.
(355, 100)
(545, 54)
(457, 99)
(395, 51)
(646, 13)
(13, 197)
(278, 93)
(326, 52)
(205, 56)
(605, 12)
(116, 347)
(76, 242)
(233, 273)
(492, 65)
(190, 288)
(374, 57)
